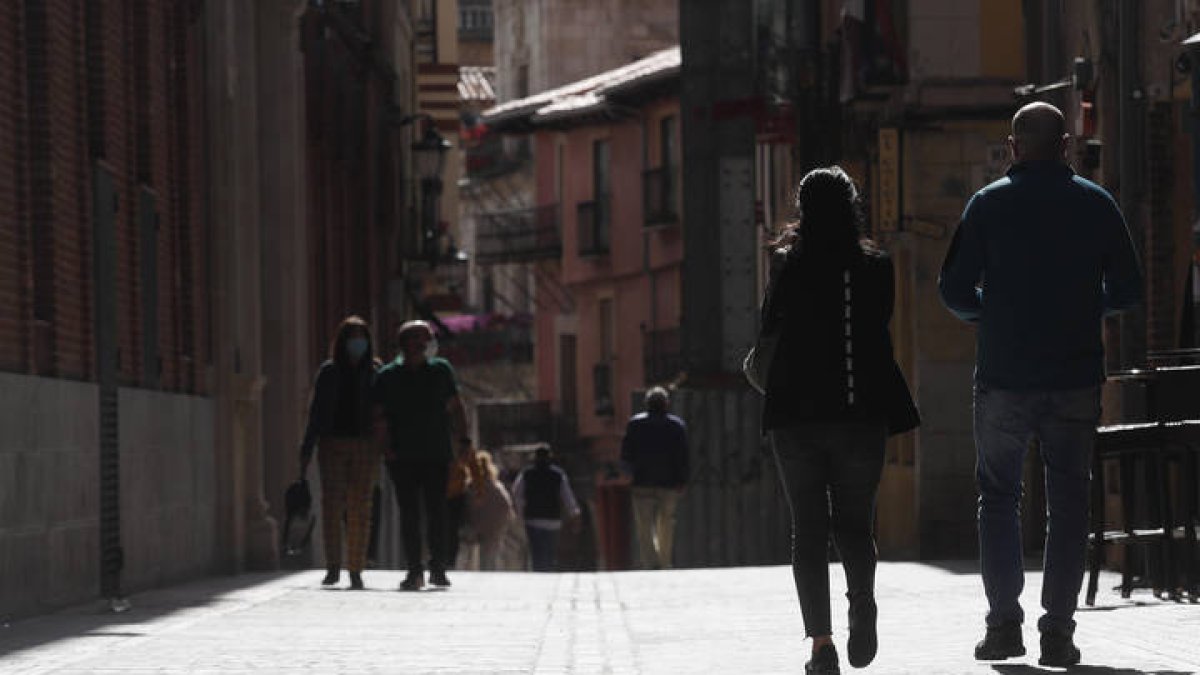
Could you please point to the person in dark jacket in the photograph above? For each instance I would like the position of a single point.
(833, 394)
(543, 494)
(655, 451)
(426, 431)
(341, 425)
(1039, 258)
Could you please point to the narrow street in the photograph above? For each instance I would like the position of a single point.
(688, 621)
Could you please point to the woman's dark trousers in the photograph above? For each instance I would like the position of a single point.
(831, 474)
(420, 483)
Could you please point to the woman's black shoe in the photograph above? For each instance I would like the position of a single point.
(824, 662)
(864, 641)
(356, 583)
(331, 576)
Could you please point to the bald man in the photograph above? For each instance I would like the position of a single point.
(1040, 257)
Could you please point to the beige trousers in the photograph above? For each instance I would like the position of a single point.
(654, 518)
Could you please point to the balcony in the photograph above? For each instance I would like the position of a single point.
(602, 389)
(521, 235)
(490, 158)
(662, 355)
(660, 196)
(593, 220)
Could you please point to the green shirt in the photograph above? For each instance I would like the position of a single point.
(414, 402)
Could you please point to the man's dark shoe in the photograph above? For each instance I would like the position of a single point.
(824, 662)
(864, 641)
(356, 583)
(1058, 650)
(413, 582)
(332, 574)
(1000, 642)
(438, 578)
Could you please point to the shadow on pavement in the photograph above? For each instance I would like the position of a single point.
(94, 623)
(1016, 669)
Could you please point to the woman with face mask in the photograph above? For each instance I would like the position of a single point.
(340, 424)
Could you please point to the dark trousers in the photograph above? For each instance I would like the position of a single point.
(830, 473)
(420, 483)
(543, 547)
(1064, 422)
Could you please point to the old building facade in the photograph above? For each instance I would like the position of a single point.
(171, 273)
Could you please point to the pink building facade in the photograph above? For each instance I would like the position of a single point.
(606, 157)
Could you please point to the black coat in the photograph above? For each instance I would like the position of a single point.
(819, 373)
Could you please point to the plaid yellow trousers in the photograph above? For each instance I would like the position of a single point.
(349, 467)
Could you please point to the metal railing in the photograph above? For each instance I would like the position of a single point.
(521, 235)
(593, 221)
(660, 196)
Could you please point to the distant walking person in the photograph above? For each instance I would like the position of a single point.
(655, 450)
(833, 394)
(1039, 258)
(340, 424)
(542, 493)
(418, 393)
(490, 509)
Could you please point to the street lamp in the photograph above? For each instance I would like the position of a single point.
(429, 154)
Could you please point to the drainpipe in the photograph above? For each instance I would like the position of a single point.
(646, 249)
(1192, 293)
(1130, 105)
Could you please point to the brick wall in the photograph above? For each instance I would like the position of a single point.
(14, 309)
(115, 82)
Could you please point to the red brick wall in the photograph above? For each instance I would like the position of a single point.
(116, 82)
(14, 305)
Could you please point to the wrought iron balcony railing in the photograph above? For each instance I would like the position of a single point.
(660, 196)
(522, 235)
(593, 221)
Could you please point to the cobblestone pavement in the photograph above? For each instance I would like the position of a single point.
(689, 621)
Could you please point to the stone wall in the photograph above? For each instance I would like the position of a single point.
(50, 491)
(168, 488)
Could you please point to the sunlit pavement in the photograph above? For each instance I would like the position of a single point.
(690, 621)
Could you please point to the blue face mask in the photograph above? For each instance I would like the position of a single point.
(356, 348)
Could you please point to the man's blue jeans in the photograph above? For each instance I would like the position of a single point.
(543, 545)
(1064, 423)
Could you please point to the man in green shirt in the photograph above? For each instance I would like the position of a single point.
(426, 427)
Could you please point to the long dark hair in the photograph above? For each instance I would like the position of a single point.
(828, 217)
(337, 348)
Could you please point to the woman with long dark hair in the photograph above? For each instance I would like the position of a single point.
(833, 395)
(341, 425)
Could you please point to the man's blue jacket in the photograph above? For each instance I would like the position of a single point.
(1040, 257)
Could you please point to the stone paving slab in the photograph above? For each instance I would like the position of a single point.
(741, 620)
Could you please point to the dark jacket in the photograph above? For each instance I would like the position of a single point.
(827, 368)
(322, 410)
(1039, 258)
(655, 449)
(543, 487)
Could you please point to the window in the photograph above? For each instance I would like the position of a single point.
(607, 338)
(667, 140)
(600, 182)
(523, 80)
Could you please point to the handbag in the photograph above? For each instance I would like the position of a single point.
(756, 365)
(297, 502)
